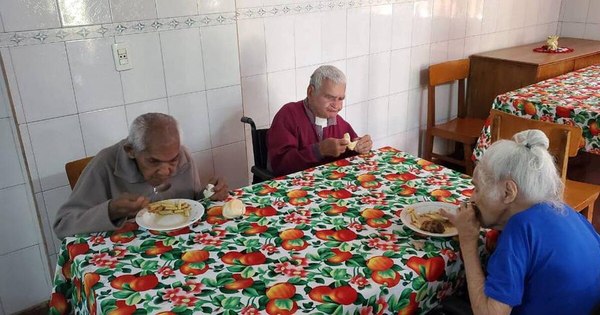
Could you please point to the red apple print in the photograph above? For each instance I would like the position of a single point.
(253, 258)
(318, 292)
(194, 256)
(298, 244)
(266, 189)
(344, 295)
(379, 263)
(230, 257)
(326, 235)
(380, 223)
(129, 226)
(530, 109)
(341, 194)
(432, 167)
(366, 178)
(89, 280)
(371, 213)
(255, 228)
(266, 211)
(123, 308)
(371, 185)
(214, 211)
(441, 193)
(434, 267)
(389, 278)
(144, 283)
(412, 306)
(122, 280)
(122, 238)
(158, 249)
(594, 129)
(407, 176)
(193, 269)
(167, 313)
(336, 175)
(344, 235)
(66, 269)
(340, 256)
(397, 160)
(467, 192)
(335, 209)
(273, 309)
(77, 249)
(291, 234)
(298, 202)
(341, 163)
(281, 290)
(239, 282)
(563, 112)
(214, 220)
(407, 191)
(325, 193)
(297, 193)
(59, 303)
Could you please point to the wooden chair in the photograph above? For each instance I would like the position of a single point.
(75, 168)
(461, 129)
(564, 143)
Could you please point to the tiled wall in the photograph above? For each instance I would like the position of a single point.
(580, 18)
(207, 62)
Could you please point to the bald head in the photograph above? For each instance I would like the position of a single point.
(152, 129)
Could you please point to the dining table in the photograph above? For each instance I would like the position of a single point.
(572, 99)
(326, 240)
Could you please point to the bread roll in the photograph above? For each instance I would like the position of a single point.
(233, 208)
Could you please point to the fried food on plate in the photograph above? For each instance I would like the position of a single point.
(168, 207)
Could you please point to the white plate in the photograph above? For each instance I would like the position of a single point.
(426, 207)
(169, 222)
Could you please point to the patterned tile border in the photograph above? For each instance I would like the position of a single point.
(24, 38)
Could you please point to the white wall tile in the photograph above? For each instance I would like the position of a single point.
(53, 200)
(474, 17)
(421, 28)
(146, 81)
(256, 99)
(251, 33)
(438, 52)
(10, 168)
(182, 56)
(357, 116)
(221, 60)
(216, 6)
(282, 90)
(44, 80)
(279, 37)
(225, 111)
(530, 6)
(247, 3)
(458, 20)
(419, 61)
(103, 128)
(456, 49)
(333, 35)
(399, 76)
(204, 164)
(549, 11)
(17, 222)
(29, 156)
(472, 45)
(84, 12)
(191, 111)
(25, 15)
(137, 109)
(12, 87)
(442, 14)
(131, 10)
(576, 10)
(413, 143)
(378, 115)
(357, 75)
(592, 31)
(55, 142)
(490, 15)
(402, 25)
(417, 108)
(358, 31)
(24, 270)
(381, 28)
(379, 75)
(303, 80)
(594, 12)
(307, 30)
(96, 82)
(231, 165)
(49, 237)
(397, 117)
(172, 8)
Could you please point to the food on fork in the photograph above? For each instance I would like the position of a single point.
(352, 144)
(168, 207)
(233, 208)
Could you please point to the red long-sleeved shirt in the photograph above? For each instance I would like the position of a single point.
(292, 140)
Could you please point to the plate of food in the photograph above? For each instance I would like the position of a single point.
(425, 218)
(170, 214)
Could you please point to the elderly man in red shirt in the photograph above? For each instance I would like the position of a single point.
(310, 132)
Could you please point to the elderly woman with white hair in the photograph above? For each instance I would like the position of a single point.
(547, 259)
(118, 181)
(310, 132)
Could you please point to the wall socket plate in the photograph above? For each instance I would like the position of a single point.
(122, 56)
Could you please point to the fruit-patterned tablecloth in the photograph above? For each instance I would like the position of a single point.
(327, 240)
(571, 99)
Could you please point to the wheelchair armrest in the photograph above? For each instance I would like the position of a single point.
(262, 173)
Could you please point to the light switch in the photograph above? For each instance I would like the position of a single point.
(122, 56)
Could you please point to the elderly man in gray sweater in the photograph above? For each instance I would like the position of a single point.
(117, 183)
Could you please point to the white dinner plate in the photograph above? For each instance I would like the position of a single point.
(426, 207)
(157, 222)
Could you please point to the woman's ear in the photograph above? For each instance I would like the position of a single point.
(510, 191)
(129, 150)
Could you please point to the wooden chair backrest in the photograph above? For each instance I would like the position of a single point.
(75, 168)
(443, 73)
(564, 139)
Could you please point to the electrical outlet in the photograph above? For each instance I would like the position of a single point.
(122, 56)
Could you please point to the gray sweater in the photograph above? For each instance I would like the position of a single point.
(109, 174)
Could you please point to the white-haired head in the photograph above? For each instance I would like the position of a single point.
(526, 161)
(147, 125)
(328, 72)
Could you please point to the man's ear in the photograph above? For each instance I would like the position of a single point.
(129, 150)
(510, 191)
(310, 90)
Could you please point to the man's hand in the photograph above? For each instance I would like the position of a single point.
(363, 144)
(127, 205)
(221, 189)
(466, 222)
(333, 147)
